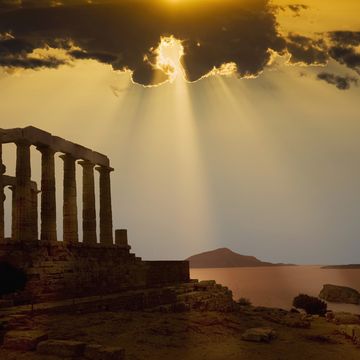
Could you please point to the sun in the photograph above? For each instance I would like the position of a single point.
(168, 57)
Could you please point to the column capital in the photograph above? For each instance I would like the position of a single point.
(86, 164)
(68, 156)
(104, 169)
(23, 142)
(44, 149)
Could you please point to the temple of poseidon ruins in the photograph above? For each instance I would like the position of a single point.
(57, 269)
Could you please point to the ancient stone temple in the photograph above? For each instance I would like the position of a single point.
(59, 268)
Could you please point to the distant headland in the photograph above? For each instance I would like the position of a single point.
(226, 258)
(349, 266)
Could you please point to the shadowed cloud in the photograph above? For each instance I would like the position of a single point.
(341, 82)
(126, 33)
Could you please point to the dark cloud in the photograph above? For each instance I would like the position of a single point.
(306, 50)
(341, 82)
(348, 56)
(345, 38)
(122, 33)
(18, 53)
(344, 48)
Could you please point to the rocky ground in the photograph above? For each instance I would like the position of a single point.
(203, 324)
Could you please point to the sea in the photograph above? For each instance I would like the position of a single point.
(277, 286)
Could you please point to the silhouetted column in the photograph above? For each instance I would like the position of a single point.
(34, 213)
(23, 193)
(48, 194)
(106, 225)
(70, 220)
(89, 210)
(13, 212)
(2, 198)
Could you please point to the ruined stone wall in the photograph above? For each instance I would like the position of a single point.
(166, 272)
(62, 271)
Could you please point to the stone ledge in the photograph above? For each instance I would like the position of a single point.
(23, 340)
(61, 348)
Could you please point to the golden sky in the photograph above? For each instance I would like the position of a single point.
(231, 144)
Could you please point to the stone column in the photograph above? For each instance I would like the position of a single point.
(48, 195)
(23, 219)
(2, 197)
(89, 210)
(70, 220)
(34, 212)
(13, 213)
(106, 225)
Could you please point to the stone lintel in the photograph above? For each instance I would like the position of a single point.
(10, 135)
(39, 138)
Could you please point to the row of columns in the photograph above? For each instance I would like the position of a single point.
(23, 200)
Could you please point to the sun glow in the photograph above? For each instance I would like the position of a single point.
(168, 56)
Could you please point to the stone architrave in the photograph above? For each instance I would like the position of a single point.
(70, 214)
(89, 208)
(106, 225)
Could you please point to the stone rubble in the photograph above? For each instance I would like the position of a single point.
(259, 335)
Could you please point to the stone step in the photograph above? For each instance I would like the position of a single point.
(23, 340)
(62, 348)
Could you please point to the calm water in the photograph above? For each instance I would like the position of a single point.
(277, 286)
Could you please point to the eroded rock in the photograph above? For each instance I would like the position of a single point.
(341, 318)
(259, 335)
(98, 352)
(339, 294)
(61, 348)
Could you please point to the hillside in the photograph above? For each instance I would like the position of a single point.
(349, 266)
(224, 257)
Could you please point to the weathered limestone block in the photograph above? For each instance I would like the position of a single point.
(259, 335)
(356, 335)
(121, 238)
(23, 340)
(348, 330)
(19, 322)
(61, 348)
(98, 352)
(346, 318)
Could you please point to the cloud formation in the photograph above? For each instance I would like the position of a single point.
(124, 34)
(341, 82)
(345, 48)
(305, 50)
